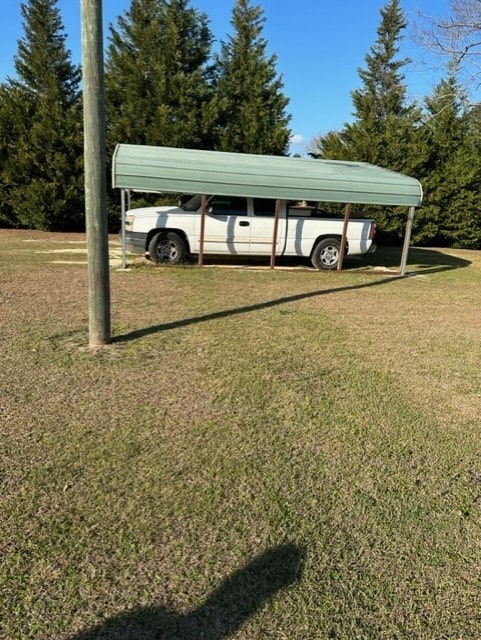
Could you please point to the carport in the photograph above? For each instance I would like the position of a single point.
(148, 169)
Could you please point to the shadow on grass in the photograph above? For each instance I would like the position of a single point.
(420, 260)
(234, 601)
(430, 261)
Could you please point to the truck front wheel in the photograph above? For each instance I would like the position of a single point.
(167, 248)
(326, 254)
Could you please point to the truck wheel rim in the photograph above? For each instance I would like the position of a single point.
(329, 255)
(167, 250)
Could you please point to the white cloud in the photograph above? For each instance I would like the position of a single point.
(297, 138)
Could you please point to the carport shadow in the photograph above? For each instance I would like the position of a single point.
(433, 262)
(425, 259)
(234, 601)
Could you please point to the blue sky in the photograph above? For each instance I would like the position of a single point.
(319, 46)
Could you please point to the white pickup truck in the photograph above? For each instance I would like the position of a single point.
(244, 227)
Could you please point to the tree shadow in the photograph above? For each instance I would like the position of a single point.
(234, 601)
(430, 262)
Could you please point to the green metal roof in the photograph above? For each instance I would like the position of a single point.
(167, 169)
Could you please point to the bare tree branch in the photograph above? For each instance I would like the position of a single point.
(456, 40)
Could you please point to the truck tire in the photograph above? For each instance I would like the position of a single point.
(326, 254)
(167, 248)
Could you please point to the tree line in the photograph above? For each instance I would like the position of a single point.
(438, 142)
(165, 86)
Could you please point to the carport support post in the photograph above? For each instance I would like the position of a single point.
(202, 230)
(274, 235)
(407, 240)
(342, 250)
(95, 178)
(122, 216)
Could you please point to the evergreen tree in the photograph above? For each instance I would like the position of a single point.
(250, 107)
(13, 111)
(462, 224)
(41, 127)
(456, 185)
(383, 119)
(384, 130)
(383, 122)
(444, 132)
(157, 84)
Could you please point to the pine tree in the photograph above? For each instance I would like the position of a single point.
(444, 131)
(384, 130)
(41, 125)
(453, 200)
(382, 118)
(383, 122)
(250, 106)
(157, 76)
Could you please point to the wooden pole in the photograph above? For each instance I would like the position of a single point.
(274, 234)
(342, 250)
(202, 231)
(95, 178)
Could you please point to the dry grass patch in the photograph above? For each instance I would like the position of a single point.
(257, 455)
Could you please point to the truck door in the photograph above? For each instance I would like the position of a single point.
(227, 226)
(262, 227)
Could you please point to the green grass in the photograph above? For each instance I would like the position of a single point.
(287, 455)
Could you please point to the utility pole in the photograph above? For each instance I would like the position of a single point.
(95, 178)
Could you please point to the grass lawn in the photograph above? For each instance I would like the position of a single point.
(258, 455)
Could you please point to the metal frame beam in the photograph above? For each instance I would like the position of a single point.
(407, 240)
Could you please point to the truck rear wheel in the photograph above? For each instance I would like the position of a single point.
(167, 248)
(326, 254)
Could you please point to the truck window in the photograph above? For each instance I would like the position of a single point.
(228, 206)
(301, 208)
(263, 207)
(193, 203)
